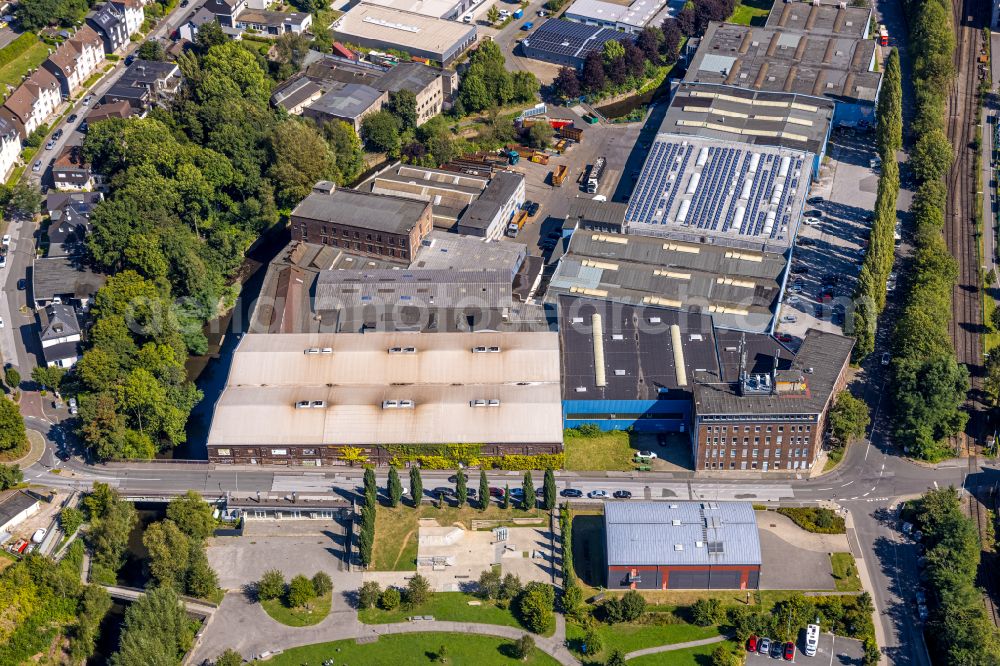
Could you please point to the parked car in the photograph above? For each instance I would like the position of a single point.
(815, 201)
(72, 118)
(22, 284)
(527, 26)
(37, 166)
(806, 242)
(622, 494)
(799, 269)
(72, 406)
(789, 651)
(454, 478)
(496, 492)
(598, 494)
(784, 337)
(533, 209)
(87, 100)
(817, 214)
(571, 492)
(793, 300)
(39, 535)
(57, 134)
(6, 239)
(812, 639)
(764, 645)
(885, 358)
(442, 490)
(789, 319)
(646, 454)
(752, 643)
(812, 221)
(776, 649)
(517, 492)
(51, 144)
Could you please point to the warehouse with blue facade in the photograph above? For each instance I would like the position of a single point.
(632, 367)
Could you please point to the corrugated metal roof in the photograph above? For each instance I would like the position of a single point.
(669, 533)
(442, 375)
(339, 289)
(361, 209)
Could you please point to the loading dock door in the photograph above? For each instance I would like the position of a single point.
(688, 580)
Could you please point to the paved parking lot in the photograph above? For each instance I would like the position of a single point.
(835, 247)
(832, 650)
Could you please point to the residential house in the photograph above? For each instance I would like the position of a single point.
(59, 335)
(109, 22)
(143, 83)
(10, 147)
(70, 171)
(121, 109)
(70, 223)
(272, 24)
(64, 280)
(76, 59)
(295, 95)
(133, 13)
(31, 104)
(225, 11)
(189, 30)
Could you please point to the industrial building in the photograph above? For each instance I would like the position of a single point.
(738, 289)
(449, 192)
(730, 113)
(632, 367)
(348, 102)
(378, 27)
(306, 399)
(489, 214)
(565, 42)
(631, 18)
(682, 546)
(585, 213)
(368, 225)
(790, 59)
(289, 300)
(443, 9)
(729, 193)
(769, 411)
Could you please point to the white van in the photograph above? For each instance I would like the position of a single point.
(467, 18)
(812, 639)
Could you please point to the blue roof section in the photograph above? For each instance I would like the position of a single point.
(681, 533)
(569, 39)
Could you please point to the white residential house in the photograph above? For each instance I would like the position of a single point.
(10, 147)
(76, 59)
(60, 335)
(32, 102)
(133, 13)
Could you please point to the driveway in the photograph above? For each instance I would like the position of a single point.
(794, 559)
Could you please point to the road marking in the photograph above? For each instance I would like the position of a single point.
(848, 483)
(822, 489)
(867, 494)
(935, 484)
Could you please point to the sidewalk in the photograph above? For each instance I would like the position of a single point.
(866, 584)
(674, 646)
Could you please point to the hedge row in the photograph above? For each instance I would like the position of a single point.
(959, 630)
(510, 462)
(929, 385)
(869, 297)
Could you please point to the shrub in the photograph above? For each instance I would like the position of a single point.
(489, 584)
(592, 641)
(70, 520)
(418, 591)
(322, 584)
(300, 591)
(271, 585)
(535, 607)
(813, 519)
(369, 594)
(523, 647)
(390, 598)
(706, 612)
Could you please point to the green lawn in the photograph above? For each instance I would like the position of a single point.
(30, 56)
(751, 12)
(629, 637)
(411, 649)
(696, 656)
(312, 613)
(604, 451)
(845, 572)
(396, 529)
(450, 606)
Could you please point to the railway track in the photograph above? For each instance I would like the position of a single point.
(969, 17)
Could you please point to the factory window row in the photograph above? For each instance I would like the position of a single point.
(799, 452)
(776, 465)
(757, 428)
(756, 440)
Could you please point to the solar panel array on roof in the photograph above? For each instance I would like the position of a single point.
(566, 42)
(723, 189)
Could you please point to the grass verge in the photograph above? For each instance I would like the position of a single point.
(396, 528)
(310, 614)
(604, 451)
(446, 606)
(695, 656)
(833, 458)
(628, 637)
(816, 520)
(412, 649)
(845, 572)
